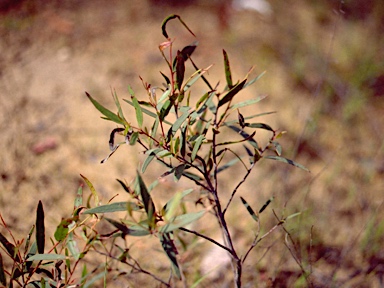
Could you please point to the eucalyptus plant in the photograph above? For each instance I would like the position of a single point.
(196, 137)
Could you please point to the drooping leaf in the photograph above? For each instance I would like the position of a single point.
(187, 51)
(171, 251)
(231, 93)
(170, 17)
(48, 257)
(166, 78)
(249, 209)
(93, 190)
(247, 102)
(112, 146)
(139, 112)
(109, 114)
(147, 201)
(113, 207)
(227, 69)
(40, 228)
(288, 161)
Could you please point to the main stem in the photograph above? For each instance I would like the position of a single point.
(220, 215)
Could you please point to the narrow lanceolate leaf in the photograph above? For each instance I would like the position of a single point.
(180, 120)
(254, 79)
(171, 202)
(147, 201)
(231, 93)
(259, 126)
(245, 136)
(11, 249)
(93, 190)
(3, 280)
(228, 165)
(107, 113)
(293, 215)
(139, 112)
(250, 210)
(132, 231)
(79, 197)
(228, 75)
(196, 146)
(113, 207)
(171, 251)
(117, 102)
(173, 16)
(269, 201)
(247, 102)
(180, 70)
(181, 221)
(40, 228)
(152, 154)
(50, 257)
(288, 161)
(188, 50)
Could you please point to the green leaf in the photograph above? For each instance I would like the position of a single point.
(288, 161)
(231, 93)
(179, 171)
(254, 79)
(170, 203)
(196, 146)
(109, 114)
(247, 102)
(180, 120)
(139, 112)
(40, 228)
(259, 126)
(171, 251)
(227, 68)
(79, 197)
(152, 153)
(93, 190)
(293, 215)
(228, 165)
(163, 97)
(181, 221)
(147, 201)
(62, 229)
(117, 102)
(245, 136)
(146, 111)
(49, 257)
(250, 210)
(113, 207)
(138, 231)
(133, 138)
(278, 148)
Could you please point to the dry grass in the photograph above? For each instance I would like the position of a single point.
(321, 73)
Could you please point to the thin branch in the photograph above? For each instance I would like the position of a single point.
(206, 238)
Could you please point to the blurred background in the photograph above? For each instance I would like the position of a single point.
(324, 63)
